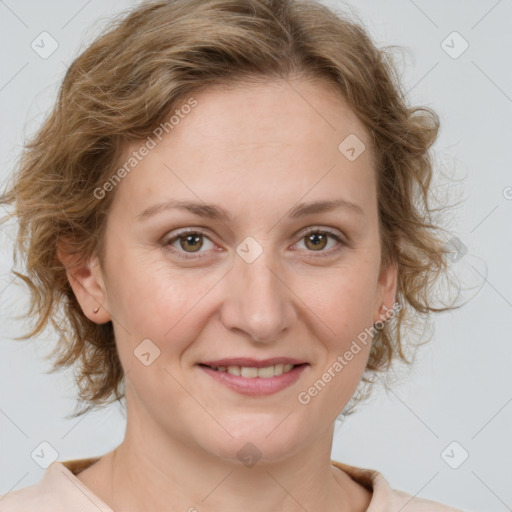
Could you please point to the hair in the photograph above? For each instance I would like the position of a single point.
(129, 80)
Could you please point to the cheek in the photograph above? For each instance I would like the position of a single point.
(151, 299)
(345, 307)
(343, 298)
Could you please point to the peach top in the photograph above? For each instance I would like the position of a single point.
(60, 490)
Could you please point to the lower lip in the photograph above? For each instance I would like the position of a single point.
(256, 386)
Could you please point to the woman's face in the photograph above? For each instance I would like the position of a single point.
(256, 284)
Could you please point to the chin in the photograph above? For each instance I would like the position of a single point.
(269, 441)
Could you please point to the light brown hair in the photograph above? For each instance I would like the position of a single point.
(128, 81)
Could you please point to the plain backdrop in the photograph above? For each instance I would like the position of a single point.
(443, 431)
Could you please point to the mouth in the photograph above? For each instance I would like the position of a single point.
(254, 378)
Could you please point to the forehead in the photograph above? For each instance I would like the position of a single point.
(256, 144)
(279, 113)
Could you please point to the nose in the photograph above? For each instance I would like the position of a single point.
(257, 300)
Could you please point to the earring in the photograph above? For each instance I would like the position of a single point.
(96, 310)
(380, 309)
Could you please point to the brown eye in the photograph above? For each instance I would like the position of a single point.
(193, 242)
(316, 240)
(187, 243)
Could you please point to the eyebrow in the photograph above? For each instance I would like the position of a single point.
(213, 211)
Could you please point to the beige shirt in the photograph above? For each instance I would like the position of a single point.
(61, 491)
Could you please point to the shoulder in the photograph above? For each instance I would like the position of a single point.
(384, 498)
(33, 497)
(58, 491)
(409, 503)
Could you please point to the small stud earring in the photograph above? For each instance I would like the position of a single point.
(96, 310)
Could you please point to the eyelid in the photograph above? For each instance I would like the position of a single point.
(319, 229)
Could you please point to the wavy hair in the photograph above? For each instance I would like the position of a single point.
(126, 83)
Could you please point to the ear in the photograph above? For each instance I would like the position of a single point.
(86, 280)
(386, 292)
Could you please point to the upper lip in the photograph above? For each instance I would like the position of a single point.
(248, 362)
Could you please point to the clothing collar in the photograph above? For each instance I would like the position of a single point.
(61, 475)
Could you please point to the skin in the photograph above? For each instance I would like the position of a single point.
(256, 150)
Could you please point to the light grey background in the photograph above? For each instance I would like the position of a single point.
(461, 387)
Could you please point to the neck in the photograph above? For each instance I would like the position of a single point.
(152, 469)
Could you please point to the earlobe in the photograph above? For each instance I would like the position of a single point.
(386, 297)
(86, 280)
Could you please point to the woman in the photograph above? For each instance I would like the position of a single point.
(224, 204)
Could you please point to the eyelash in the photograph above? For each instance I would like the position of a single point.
(198, 231)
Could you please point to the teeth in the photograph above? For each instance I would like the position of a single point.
(265, 373)
(250, 372)
(234, 370)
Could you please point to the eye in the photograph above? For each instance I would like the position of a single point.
(189, 241)
(316, 240)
